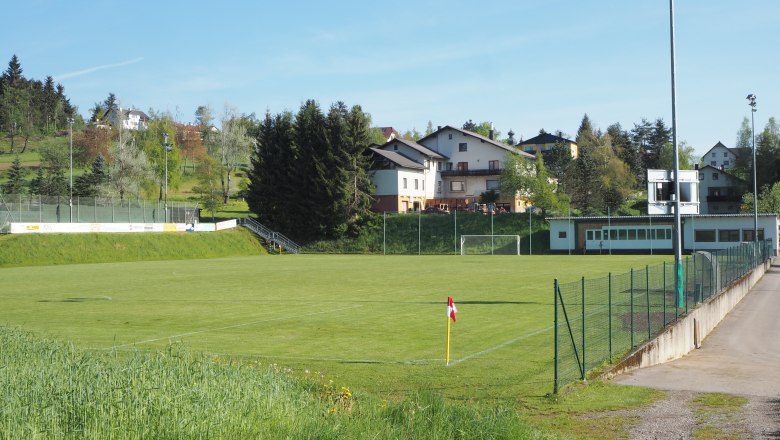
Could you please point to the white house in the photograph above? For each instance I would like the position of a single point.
(131, 119)
(472, 166)
(404, 174)
(721, 156)
(719, 191)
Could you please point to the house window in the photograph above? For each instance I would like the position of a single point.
(463, 147)
(493, 165)
(530, 150)
(423, 185)
(463, 166)
(728, 235)
(395, 147)
(714, 154)
(704, 236)
(725, 154)
(725, 163)
(449, 166)
(562, 234)
(641, 234)
(701, 176)
(715, 176)
(416, 185)
(713, 163)
(492, 184)
(404, 182)
(457, 185)
(438, 186)
(450, 135)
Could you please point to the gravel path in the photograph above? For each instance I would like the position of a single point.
(740, 357)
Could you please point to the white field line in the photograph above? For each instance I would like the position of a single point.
(231, 326)
(512, 341)
(501, 345)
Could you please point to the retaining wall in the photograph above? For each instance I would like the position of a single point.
(686, 334)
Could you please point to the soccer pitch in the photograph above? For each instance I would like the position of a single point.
(374, 323)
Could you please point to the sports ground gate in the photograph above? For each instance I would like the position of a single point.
(654, 233)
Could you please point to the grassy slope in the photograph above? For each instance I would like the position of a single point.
(52, 390)
(58, 249)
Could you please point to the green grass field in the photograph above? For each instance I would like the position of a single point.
(376, 324)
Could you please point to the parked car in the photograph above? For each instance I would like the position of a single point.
(437, 209)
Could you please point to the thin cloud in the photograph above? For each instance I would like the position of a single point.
(96, 68)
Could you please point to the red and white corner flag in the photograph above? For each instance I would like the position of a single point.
(451, 310)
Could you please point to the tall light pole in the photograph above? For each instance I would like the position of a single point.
(167, 146)
(752, 103)
(70, 199)
(677, 224)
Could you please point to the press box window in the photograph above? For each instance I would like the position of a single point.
(747, 235)
(561, 234)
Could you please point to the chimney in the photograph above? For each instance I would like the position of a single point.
(491, 132)
(696, 166)
(438, 128)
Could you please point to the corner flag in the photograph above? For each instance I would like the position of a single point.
(451, 310)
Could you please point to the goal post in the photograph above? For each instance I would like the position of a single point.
(490, 245)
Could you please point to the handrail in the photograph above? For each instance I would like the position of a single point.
(274, 237)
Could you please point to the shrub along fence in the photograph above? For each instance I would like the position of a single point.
(602, 319)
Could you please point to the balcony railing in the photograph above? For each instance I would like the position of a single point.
(453, 173)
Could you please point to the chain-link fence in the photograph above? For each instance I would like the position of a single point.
(417, 233)
(17, 208)
(602, 319)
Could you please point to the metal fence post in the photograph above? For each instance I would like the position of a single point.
(664, 294)
(685, 289)
(419, 231)
(384, 232)
(647, 293)
(583, 329)
(632, 308)
(555, 332)
(609, 305)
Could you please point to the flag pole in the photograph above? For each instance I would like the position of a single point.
(448, 341)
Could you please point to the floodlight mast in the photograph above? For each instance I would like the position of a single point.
(752, 103)
(677, 223)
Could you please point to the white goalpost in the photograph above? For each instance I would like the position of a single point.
(490, 245)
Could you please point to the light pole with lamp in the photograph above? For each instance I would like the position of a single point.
(752, 103)
(167, 146)
(70, 199)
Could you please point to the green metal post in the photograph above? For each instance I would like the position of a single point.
(664, 294)
(647, 294)
(687, 271)
(610, 317)
(632, 308)
(555, 333)
(583, 329)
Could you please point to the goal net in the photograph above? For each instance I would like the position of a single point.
(490, 245)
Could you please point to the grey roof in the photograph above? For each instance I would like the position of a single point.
(398, 159)
(484, 139)
(414, 145)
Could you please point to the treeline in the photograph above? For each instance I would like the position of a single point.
(30, 106)
(309, 176)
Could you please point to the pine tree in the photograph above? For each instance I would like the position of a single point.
(15, 183)
(38, 183)
(586, 135)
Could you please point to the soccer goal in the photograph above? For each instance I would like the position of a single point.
(490, 245)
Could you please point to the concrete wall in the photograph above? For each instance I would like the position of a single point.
(687, 333)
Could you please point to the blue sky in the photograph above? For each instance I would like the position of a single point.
(524, 65)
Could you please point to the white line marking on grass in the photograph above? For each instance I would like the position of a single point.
(232, 326)
(512, 341)
(502, 345)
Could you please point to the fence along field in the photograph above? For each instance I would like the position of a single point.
(376, 324)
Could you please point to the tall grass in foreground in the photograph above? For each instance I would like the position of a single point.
(51, 390)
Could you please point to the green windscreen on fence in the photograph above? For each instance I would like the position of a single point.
(600, 320)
